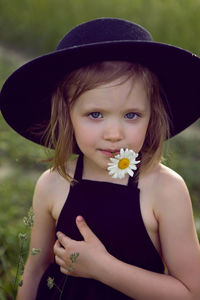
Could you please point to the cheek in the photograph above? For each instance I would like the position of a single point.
(136, 138)
(136, 142)
(85, 137)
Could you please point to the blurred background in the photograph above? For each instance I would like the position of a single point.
(30, 28)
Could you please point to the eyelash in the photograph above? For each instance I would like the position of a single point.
(131, 113)
(99, 115)
(91, 115)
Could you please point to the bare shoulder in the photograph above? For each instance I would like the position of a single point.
(171, 195)
(166, 187)
(49, 182)
(169, 183)
(163, 180)
(52, 189)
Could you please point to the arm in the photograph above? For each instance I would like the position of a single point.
(179, 245)
(180, 249)
(43, 237)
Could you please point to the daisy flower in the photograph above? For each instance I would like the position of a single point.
(123, 163)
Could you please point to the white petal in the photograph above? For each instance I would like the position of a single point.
(130, 172)
(114, 160)
(133, 167)
(112, 172)
(110, 167)
(115, 175)
(121, 151)
(127, 151)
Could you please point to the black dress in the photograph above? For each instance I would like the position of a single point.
(112, 211)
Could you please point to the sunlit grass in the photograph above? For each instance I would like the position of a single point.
(36, 26)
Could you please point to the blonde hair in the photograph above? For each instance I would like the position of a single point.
(59, 132)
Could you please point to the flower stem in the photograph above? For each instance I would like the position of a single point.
(63, 287)
(18, 266)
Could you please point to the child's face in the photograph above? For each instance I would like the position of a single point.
(108, 118)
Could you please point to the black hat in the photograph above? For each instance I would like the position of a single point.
(25, 99)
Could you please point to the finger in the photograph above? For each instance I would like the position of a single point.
(57, 246)
(65, 267)
(59, 251)
(60, 262)
(84, 229)
(64, 271)
(63, 239)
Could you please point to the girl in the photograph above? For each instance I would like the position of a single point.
(108, 87)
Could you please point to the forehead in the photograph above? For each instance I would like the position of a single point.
(119, 93)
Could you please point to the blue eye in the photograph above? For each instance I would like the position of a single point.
(131, 116)
(95, 115)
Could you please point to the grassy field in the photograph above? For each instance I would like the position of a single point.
(36, 26)
(20, 167)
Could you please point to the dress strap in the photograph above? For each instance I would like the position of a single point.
(133, 181)
(79, 168)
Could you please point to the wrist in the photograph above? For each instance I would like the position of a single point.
(104, 267)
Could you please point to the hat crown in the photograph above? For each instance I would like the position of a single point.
(104, 30)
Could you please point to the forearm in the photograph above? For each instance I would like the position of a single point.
(29, 288)
(31, 279)
(96, 263)
(141, 284)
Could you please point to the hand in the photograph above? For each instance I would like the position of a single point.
(79, 258)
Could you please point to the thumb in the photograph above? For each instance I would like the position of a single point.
(84, 229)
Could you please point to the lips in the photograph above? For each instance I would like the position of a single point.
(109, 152)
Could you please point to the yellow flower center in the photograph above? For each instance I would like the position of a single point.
(123, 163)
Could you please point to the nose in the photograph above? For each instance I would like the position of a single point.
(113, 132)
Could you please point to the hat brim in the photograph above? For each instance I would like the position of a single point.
(25, 99)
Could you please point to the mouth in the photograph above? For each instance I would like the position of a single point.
(109, 152)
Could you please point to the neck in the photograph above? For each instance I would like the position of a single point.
(93, 172)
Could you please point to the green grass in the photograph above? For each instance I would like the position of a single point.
(20, 167)
(35, 26)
